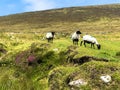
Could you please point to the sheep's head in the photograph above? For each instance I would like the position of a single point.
(98, 46)
(53, 33)
(78, 32)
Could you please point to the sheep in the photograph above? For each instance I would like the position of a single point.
(50, 36)
(75, 37)
(90, 40)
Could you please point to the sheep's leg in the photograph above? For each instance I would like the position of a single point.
(81, 43)
(48, 40)
(52, 40)
(84, 43)
(76, 42)
(93, 46)
(73, 42)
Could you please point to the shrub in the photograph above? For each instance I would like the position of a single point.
(118, 54)
(2, 49)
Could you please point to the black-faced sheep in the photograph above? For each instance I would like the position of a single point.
(50, 36)
(75, 37)
(90, 40)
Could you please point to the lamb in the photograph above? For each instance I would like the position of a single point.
(90, 40)
(75, 37)
(50, 36)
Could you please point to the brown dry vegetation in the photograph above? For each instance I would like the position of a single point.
(103, 18)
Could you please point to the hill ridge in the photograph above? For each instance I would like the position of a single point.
(60, 18)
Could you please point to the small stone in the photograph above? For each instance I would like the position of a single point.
(106, 78)
(55, 49)
(78, 82)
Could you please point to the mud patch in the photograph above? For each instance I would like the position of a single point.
(85, 59)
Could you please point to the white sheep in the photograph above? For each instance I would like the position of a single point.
(90, 40)
(75, 37)
(50, 36)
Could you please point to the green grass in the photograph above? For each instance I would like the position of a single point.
(37, 76)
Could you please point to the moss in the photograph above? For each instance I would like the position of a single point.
(118, 54)
(58, 78)
(90, 72)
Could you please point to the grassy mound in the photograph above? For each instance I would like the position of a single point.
(29, 67)
(60, 77)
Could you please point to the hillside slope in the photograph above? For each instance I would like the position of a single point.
(28, 62)
(96, 18)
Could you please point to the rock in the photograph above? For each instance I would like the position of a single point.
(106, 78)
(55, 49)
(79, 82)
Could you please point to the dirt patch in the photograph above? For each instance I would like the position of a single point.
(85, 59)
(2, 50)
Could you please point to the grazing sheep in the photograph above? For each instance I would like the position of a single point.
(75, 37)
(50, 36)
(90, 40)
